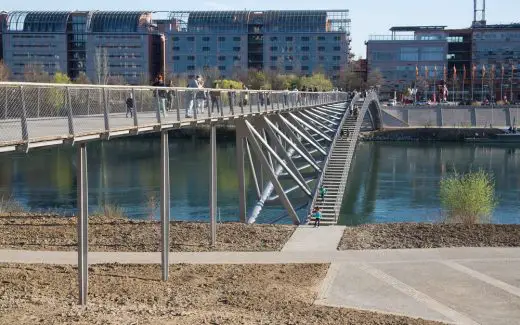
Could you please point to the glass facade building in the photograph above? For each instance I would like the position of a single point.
(284, 41)
(131, 45)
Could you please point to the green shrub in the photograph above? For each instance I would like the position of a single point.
(468, 198)
(9, 205)
(110, 212)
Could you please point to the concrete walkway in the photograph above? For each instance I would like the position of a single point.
(453, 285)
(310, 239)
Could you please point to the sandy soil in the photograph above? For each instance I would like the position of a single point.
(195, 294)
(410, 235)
(59, 233)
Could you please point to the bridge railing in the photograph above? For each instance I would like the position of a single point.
(31, 112)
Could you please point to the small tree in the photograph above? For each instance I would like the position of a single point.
(257, 80)
(5, 73)
(34, 72)
(82, 79)
(101, 65)
(375, 78)
(468, 198)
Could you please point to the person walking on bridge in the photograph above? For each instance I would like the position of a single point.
(322, 192)
(317, 216)
(160, 94)
(130, 105)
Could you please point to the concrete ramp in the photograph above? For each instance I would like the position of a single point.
(391, 121)
(308, 238)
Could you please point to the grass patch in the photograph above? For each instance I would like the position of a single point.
(110, 212)
(468, 198)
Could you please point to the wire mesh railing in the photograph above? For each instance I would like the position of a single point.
(31, 112)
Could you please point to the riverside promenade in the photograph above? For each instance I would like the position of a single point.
(451, 285)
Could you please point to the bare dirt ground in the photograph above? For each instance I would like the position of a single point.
(59, 233)
(415, 235)
(195, 294)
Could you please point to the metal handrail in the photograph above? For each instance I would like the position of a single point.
(327, 160)
(79, 111)
(371, 95)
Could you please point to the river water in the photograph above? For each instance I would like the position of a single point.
(389, 182)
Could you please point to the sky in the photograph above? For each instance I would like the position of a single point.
(369, 17)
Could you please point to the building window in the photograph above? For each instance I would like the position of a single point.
(305, 48)
(175, 38)
(321, 58)
(190, 38)
(289, 38)
(382, 56)
(236, 38)
(321, 38)
(337, 38)
(205, 39)
(305, 58)
(288, 67)
(337, 48)
(432, 54)
(236, 58)
(305, 38)
(191, 58)
(222, 67)
(190, 68)
(274, 58)
(335, 68)
(274, 38)
(336, 58)
(176, 48)
(305, 68)
(221, 39)
(321, 48)
(176, 57)
(205, 49)
(409, 54)
(274, 48)
(222, 58)
(236, 49)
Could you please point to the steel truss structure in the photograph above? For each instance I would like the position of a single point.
(285, 149)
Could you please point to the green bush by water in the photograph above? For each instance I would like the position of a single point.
(468, 198)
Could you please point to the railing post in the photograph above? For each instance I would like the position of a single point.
(258, 101)
(165, 204)
(82, 222)
(38, 101)
(179, 104)
(231, 104)
(213, 185)
(106, 94)
(250, 101)
(158, 106)
(134, 108)
(23, 119)
(70, 114)
(88, 101)
(195, 104)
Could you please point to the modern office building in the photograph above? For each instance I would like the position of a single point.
(482, 59)
(3, 19)
(102, 45)
(134, 46)
(232, 42)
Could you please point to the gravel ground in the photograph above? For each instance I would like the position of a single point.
(59, 233)
(195, 294)
(419, 235)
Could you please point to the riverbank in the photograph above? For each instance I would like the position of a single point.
(195, 294)
(59, 234)
(429, 134)
(421, 235)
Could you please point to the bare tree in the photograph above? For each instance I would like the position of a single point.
(5, 73)
(375, 78)
(34, 72)
(116, 80)
(101, 64)
(82, 79)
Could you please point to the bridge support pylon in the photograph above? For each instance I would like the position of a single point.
(165, 204)
(213, 185)
(82, 222)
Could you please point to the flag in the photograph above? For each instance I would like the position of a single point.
(473, 71)
(435, 71)
(502, 71)
(454, 72)
(483, 71)
(416, 72)
(426, 72)
(464, 72)
(512, 71)
(445, 74)
(492, 74)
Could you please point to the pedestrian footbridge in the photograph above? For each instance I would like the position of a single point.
(290, 142)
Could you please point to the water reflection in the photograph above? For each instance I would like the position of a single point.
(399, 182)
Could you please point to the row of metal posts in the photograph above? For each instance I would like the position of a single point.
(82, 222)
